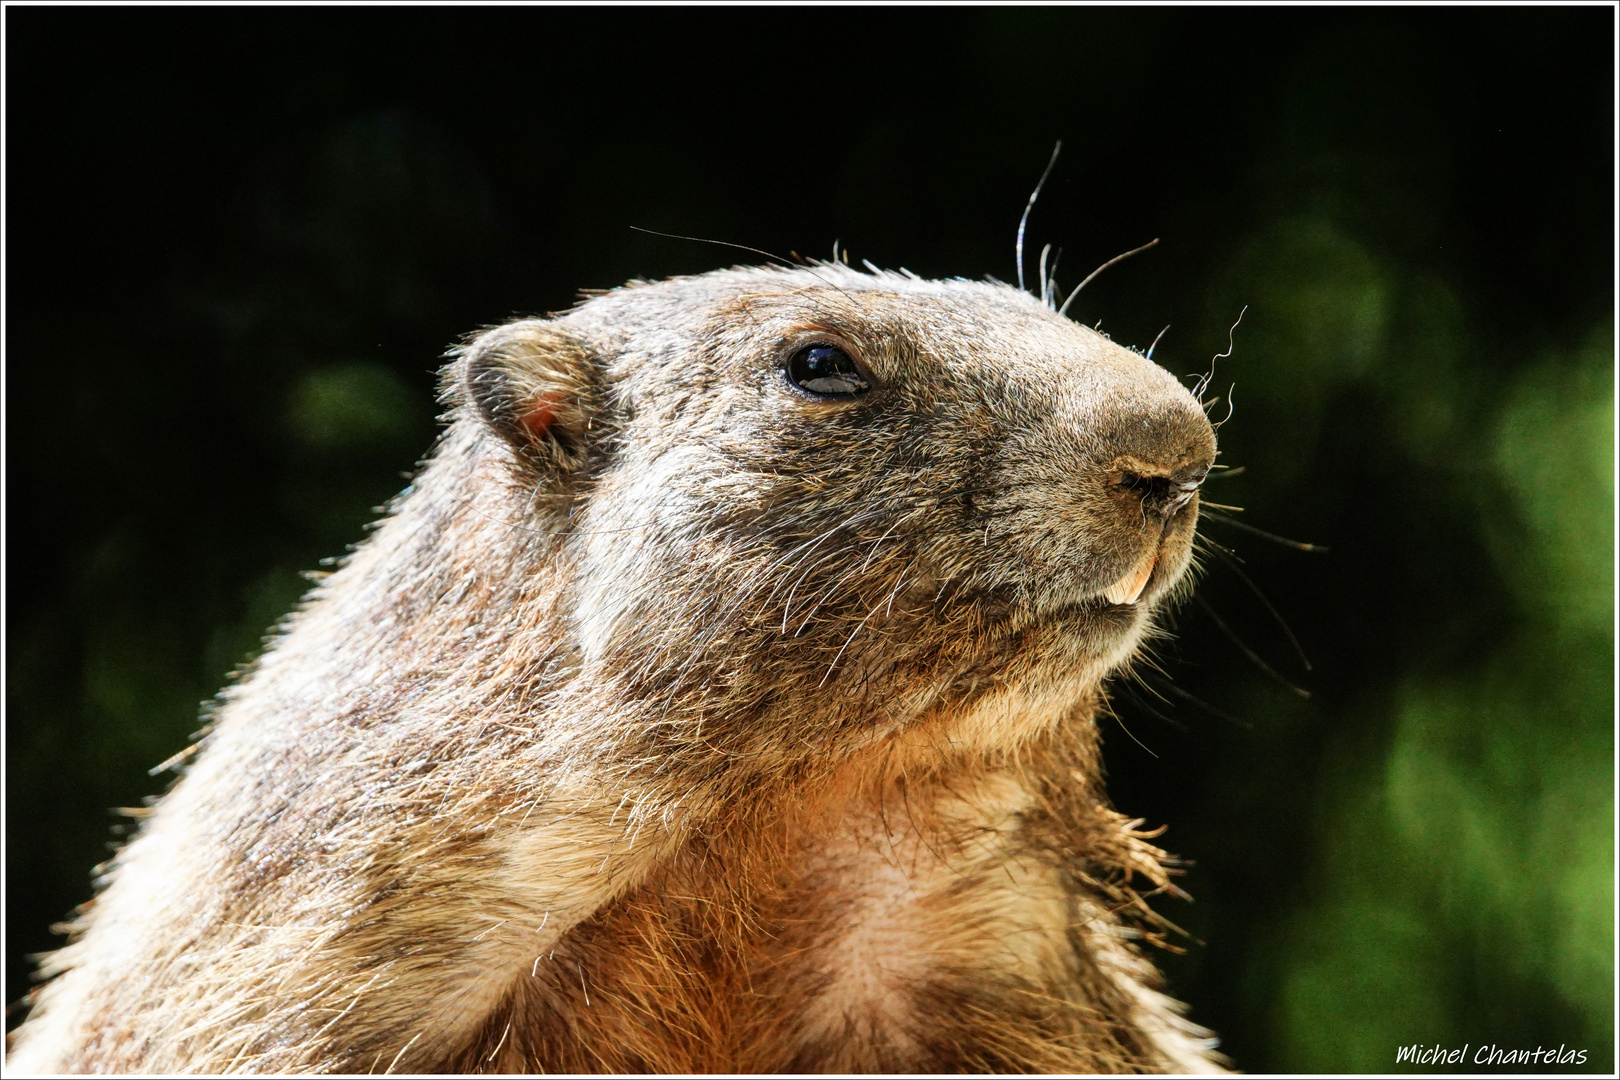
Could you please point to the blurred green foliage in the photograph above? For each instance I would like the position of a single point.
(263, 230)
(1484, 837)
(353, 407)
(1462, 886)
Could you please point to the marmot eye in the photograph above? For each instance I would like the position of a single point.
(826, 371)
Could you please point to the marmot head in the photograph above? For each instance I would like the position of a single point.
(807, 508)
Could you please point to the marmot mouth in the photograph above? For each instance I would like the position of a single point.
(1029, 604)
(1128, 589)
(1000, 608)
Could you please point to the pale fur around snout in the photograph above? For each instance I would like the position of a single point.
(678, 719)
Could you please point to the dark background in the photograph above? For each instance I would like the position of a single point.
(239, 241)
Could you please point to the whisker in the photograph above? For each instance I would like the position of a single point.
(1139, 702)
(1206, 706)
(1203, 540)
(1231, 407)
(1203, 384)
(857, 630)
(826, 594)
(1274, 613)
(810, 499)
(720, 243)
(1253, 656)
(1155, 344)
(1089, 277)
(803, 263)
(1115, 715)
(803, 554)
(1018, 245)
(856, 519)
(1222, 519)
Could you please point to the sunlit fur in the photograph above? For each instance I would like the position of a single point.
(698, 725)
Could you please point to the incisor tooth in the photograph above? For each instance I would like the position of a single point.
(1129, 588)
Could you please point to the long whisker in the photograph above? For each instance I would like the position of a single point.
(1283, 623)
(1155, 344)
(1203, 541)
(806, 551)
(1140, 702)
(842, 580)
(1253, 656)
(1231, 406)
(787, 606)
(1113, 713)
(1018, 245)
(1206, 706)
(809, 499)
(803, 264)
(719, 243)
(803, 557)
(1064, 310)
(1203, 384)
(1222, 519)
(887, 600)
(867, 513)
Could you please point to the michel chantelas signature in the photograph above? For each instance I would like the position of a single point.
(1488, 1055)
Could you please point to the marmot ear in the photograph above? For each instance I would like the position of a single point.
(535, 384)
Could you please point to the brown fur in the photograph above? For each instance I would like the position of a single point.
(677, 721)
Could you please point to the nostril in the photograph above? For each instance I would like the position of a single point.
(1162, 494)
(1147, 488)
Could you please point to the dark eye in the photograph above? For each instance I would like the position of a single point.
(826, 371)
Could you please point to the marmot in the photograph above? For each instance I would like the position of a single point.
(721, 696)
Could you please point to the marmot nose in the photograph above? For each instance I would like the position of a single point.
(1157, 452)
